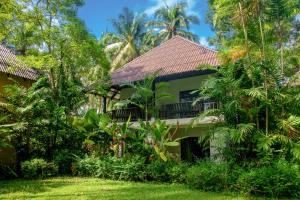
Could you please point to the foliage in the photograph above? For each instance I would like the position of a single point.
(48, 35)
(277, 180)
(145, 96)
(38, 168)
(95, 127)
(39, 121)
(136, 34)
(170, 171)
(177, 172)
(131, 168)
(159, 136)
(173, 20)
(125, 44)
(8, 171)
(64, 158)
(210, 176)
(157, 170)
(254, 84)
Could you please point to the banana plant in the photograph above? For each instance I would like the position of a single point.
(120, 134)
(93, 127)
(100, 129)
(160, 136)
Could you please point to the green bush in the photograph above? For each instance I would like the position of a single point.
(86, 166)
(177, 172)
(158, 170)
(38, 168)
(212, 176)
(64, 159)
(105, 168)
(131, 168)
(278, 179)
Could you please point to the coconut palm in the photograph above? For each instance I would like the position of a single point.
(173, 20)
(124, 45)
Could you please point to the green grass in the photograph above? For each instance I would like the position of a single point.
(90, 188)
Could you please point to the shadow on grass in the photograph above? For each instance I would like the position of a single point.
(84, 188)
(29, 186)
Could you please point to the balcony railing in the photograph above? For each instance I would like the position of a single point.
(122, 115)
(167, 111)
(185, 110)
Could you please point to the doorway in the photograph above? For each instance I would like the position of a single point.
(194, 149)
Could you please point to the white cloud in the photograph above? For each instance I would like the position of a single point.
(161, 3)
(204, 41)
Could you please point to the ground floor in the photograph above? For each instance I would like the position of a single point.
(197, 143)
(91, 188)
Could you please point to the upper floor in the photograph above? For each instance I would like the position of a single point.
(176, 62)
(181, 102)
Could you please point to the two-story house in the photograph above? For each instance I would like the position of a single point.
(176, 61)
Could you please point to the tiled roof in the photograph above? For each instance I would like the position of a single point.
(10, 64)
(176, 55)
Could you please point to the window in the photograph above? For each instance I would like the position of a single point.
(188, 96)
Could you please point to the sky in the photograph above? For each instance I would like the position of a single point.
(98, 13)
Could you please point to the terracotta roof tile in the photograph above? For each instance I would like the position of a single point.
(174, 56)
(10, 64)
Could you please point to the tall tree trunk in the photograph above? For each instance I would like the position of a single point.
(243, 23)
(267, 107)
(281, 58)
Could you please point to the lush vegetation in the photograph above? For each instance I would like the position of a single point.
(255, 84)
(56, 126)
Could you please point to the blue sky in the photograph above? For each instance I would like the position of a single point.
(97, 13)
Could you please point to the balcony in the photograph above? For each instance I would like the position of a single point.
(167, 111)
(185, 110)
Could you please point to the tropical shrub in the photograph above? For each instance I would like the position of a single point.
(157, 170)
(38, 168)
(64, 159)
(279, 179)
(210, 176)
(170, 171)
(177, 172)
(86, 166)
(134, 168)
(131, 168)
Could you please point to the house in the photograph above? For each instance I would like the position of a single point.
(12, 68)
(176, 61)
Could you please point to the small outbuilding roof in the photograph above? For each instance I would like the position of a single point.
(176, 55)
(10, 64)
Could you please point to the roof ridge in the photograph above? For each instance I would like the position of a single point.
(140, 56)
(195, 43)
(174, 37)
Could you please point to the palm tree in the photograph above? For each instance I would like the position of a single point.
(125, 44)
(173, 21)
(146, 94)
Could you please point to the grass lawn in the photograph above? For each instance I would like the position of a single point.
(90, 188)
